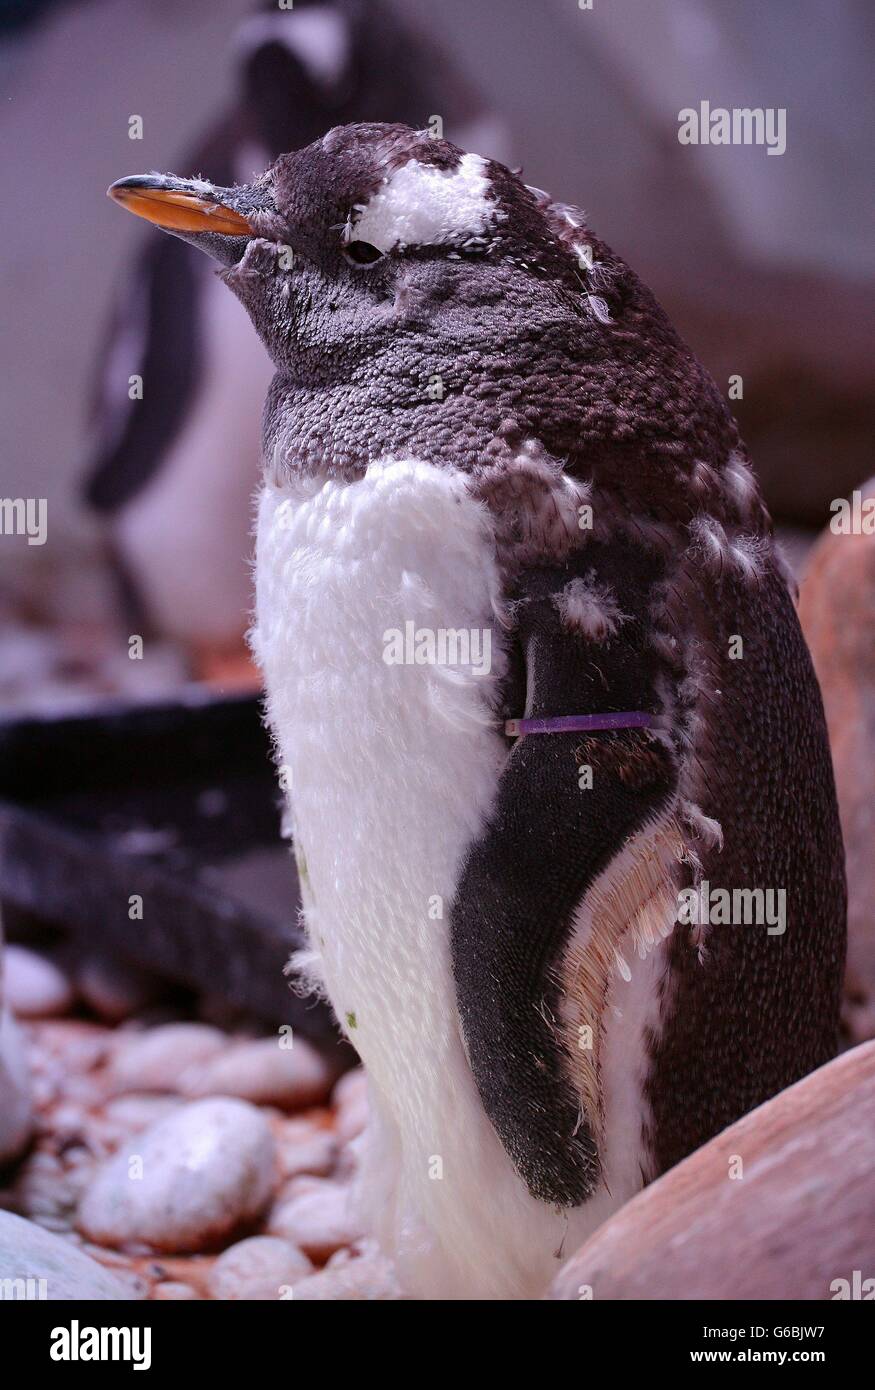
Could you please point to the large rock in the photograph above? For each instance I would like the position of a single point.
(798, 1220)
(836, 604)
(16, 1114)
(186, 1183)
(29, 1255)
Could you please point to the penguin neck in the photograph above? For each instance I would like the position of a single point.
(434, 411)
(597, 416)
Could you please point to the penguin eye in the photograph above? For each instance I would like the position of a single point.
(359, 253)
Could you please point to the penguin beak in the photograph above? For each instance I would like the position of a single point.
(212, 218)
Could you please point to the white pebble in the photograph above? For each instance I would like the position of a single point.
(350, 1101)
(156, 1059)
(303, 1147)
(264, 1073)
(185, 1183)
(133, 1111)
(260, 1269)
(369, 1278)
(316, 1217)
(171, 1292)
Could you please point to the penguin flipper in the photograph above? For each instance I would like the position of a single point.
(551, 833)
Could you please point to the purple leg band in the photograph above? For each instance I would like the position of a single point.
(579, 723)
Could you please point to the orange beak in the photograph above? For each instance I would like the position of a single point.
(176, 206)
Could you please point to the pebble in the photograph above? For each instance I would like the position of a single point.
(115, 990)
(171, 1292)
(350, 1101)
(316, 1217)
(69, 1048)
(43, 1191)
(207, 1169)
(370, 1277)
(33, 986)
(259, 1269)
(264, 1073)
(156, 1059)
(135, 1111)
(29, 1252)
(303, 1147)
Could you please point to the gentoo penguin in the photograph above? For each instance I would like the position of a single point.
(178, 527)
(503, 508)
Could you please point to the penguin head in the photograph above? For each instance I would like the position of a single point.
(420, 298)
(378, 241)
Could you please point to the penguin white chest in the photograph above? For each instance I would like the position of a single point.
(369, 596)
(377, 635)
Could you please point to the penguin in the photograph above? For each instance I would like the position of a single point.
(538, 692)
(177, 529)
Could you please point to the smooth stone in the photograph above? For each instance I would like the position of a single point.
(156, 1059)
(798, 1220)
(171, 1292)
(134, 1111)
(27, 1251)
(261, 1269)
(316, 1217)
(113, 990)
(350, 1102)
(264, 1073)
(33, 986)
(836, 602)
(370, 1277)
(206, 1170)
(305, 1148)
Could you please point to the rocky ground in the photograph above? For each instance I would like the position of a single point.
(180, 1160)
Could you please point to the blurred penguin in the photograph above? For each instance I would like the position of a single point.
(172, 473)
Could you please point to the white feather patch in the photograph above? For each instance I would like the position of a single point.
(740, 483)
(590, 608)
(421, 205)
